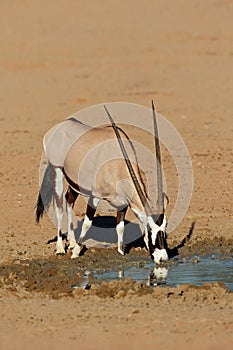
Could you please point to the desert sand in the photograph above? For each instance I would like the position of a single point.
(59, 57)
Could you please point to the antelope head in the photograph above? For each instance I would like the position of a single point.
(154, 224)
(155, 237)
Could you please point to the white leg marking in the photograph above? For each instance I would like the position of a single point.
(59, 209)
(76, 251)
(86, 225)
(70, 236)
(120, 232)
(59, 245)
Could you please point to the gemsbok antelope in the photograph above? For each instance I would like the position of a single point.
(117, 181)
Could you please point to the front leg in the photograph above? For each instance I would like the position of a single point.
(87, 223)
(71, 197)
(120, 228)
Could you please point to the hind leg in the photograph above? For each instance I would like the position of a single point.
(71, 197)
(90, 212)
(58, 196)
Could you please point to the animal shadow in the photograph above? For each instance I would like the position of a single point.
(103, 231)
(171, 252)
(175, 251)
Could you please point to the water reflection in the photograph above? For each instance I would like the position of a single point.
(193, 270)
(158, 276)
(121, 274)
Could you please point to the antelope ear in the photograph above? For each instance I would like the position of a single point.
(165, 200)
(164, 224)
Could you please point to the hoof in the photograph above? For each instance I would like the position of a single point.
(71, 245)
(121, 251)
(76, 251)
(60, 252)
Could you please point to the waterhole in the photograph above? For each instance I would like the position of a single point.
(59, 275)
(194, 270)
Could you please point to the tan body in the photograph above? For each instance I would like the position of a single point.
(95, 164)
(99, 163)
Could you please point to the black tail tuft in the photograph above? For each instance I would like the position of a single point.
(39, 208)
(46, 192)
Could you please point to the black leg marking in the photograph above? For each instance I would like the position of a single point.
(71, 196)
(121, 215)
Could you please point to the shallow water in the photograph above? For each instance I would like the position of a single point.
(195, 270)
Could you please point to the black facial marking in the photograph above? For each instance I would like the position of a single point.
(160, 241)
(158, 219)
(150, 244)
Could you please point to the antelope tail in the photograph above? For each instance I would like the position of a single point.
(46, 192)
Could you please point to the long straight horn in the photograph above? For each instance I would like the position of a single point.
(158, 163)
(129, 165)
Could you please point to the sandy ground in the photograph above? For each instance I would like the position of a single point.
(59, 57)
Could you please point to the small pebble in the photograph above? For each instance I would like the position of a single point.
(135, 311)
(195, 260)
